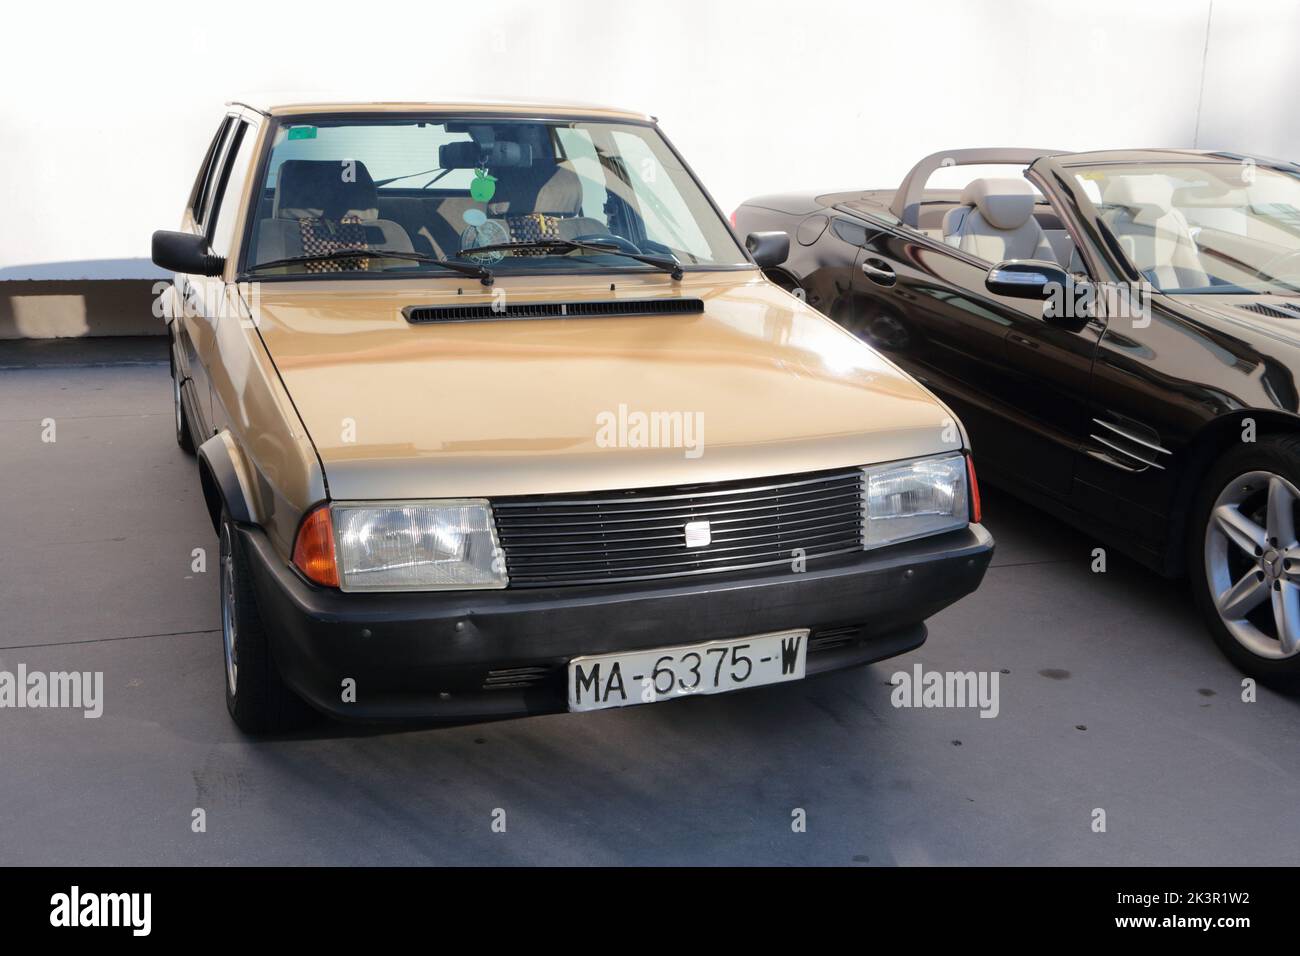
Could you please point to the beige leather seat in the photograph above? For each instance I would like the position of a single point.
(318, 208)
(1153, 234)
(995, 221)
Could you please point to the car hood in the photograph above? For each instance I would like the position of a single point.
(761, 384)
(1277, 317)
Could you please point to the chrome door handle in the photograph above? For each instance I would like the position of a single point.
(878, 271)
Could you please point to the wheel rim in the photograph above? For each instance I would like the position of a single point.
(228, 620)
(1252, 563)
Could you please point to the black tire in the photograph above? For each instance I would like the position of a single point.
(184, 437)
(1279, 456)
(257, 697)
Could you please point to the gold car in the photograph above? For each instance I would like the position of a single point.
(494, 415)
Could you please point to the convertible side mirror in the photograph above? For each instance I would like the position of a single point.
(186, 253)
(768, 248)
(1044, 281)
(1025, 278)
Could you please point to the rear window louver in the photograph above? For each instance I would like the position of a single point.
(489, 311)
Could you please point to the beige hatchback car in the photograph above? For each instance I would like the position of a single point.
(494, 415)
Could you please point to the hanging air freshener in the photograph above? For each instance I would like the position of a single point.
(484, 187)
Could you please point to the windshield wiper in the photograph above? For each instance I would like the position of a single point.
(476, 271)
(668, 264)
(424, 172)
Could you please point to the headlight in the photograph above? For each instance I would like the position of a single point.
(910, 499)
(418, 546)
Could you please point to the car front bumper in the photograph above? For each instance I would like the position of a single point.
(464, 655)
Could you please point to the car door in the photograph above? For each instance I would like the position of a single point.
(1019, 384)
(218, 225)
(225, 356)
(195, 325)
(1155, 383)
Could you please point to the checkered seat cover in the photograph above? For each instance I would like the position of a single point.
(531, 228)
(323, 206)
(323, 236)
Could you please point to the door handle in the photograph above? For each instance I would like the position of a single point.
(1017, 339)
(878, 271)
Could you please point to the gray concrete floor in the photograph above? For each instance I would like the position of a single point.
(1115, 699)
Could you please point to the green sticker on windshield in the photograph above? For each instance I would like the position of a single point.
(484, 187)
(302, 132)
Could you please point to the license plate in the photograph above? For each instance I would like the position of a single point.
(647, 677)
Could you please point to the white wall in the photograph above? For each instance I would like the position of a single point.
(107, 107)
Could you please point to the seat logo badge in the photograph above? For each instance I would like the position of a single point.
(698, 534)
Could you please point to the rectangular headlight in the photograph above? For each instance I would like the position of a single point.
(418, 546)
(910, 499)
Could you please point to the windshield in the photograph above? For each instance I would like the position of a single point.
(440, 188)
(1203, 227)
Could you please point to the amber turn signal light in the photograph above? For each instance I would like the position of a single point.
(976, 515)
(313, 552)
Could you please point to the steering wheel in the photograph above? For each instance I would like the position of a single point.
(609, 239)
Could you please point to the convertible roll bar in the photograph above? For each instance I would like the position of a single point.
(907, 201)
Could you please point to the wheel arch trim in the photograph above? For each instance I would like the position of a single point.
(223, 474)
(1198, 456)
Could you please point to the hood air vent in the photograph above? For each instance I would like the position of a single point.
(1287, 311)
(591, 309)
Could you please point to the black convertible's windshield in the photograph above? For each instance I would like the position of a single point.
(1203, 227)
(613, 195)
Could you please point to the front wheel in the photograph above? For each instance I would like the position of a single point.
(1244, 561)
(257, 697)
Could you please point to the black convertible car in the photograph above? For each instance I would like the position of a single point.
(1120, 333)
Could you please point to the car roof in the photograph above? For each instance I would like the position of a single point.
(520, 107)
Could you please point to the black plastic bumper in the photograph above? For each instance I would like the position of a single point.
(431, 655)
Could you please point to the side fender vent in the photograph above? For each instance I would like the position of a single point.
(592, 309)
(1127, 445)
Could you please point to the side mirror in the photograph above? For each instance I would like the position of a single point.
(1045, 281)
(768, 248)
(1025, 278)
(186, 253)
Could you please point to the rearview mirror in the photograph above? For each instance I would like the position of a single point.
(768, 248)
(1025, 278)
(186, 253)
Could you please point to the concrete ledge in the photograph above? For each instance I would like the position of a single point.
(84, 352)
(51, 309)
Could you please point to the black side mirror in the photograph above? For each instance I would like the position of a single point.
(1025, 278)
(768, 248)
(186, 253)
(1046, 282)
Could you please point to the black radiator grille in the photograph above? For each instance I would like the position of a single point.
(637, 535)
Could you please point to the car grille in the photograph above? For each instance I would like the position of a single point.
(517, 678)
(834, 638)
(638, 535)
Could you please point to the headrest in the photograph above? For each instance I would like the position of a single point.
(556, 191)
(468, 154)
(1136, 192)
(1004, 203)
(324, 189)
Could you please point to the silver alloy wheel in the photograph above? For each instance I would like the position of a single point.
(228, 619)
(1252, 556)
